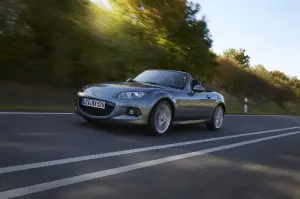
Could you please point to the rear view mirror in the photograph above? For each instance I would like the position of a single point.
(198, 89)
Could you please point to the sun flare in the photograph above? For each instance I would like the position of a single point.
(103, 2)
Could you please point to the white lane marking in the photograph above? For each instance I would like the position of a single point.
(70, 113)
(233, 115)
(34, 113)
(124, 152)
(100, 174)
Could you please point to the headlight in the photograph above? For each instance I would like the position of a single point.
(131, 95)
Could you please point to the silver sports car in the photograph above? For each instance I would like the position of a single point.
(157, 98)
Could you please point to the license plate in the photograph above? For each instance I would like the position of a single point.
(93, 103)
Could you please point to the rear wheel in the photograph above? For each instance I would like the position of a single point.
(160, 118)
(216, 120)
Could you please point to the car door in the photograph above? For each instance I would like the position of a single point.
(203, 104)
(192, 106)
(186, 107)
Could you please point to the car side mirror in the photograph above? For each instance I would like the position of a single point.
(198, 89)
(196, 82)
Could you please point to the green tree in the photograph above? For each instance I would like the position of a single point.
(279, 75)
(187, 38)
(74, 42)
(260, 67)
(238, 55)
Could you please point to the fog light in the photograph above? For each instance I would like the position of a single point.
(133, 112)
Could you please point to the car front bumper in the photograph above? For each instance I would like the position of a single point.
(116, 110)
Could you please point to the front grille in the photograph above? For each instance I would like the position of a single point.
(109, 107)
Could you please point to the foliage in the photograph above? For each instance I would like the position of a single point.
(238, 55)
(71, 43)
(76, 42)
(256, 83)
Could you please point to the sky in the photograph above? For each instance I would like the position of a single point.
(269, 30)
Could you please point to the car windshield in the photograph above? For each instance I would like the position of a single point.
(171, 79)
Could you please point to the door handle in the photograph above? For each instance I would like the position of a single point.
(208, 97)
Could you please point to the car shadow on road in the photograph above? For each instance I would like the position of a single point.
(125, 130)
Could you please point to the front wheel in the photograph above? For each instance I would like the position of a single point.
(216, 120)
(160, 118)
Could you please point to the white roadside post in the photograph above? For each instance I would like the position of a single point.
(246, 105)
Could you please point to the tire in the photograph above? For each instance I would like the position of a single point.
(216, 121)
(160, 118)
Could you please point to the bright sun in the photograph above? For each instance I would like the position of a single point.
(104, 2)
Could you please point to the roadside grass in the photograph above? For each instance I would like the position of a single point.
(236, 106)
(40, 98)
(20, 97)
(259, 109)
(39, 108)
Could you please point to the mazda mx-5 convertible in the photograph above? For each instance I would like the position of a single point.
(157, 98)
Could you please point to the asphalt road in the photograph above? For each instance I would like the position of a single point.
(61, 156)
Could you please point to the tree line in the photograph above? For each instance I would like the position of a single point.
(73, 42)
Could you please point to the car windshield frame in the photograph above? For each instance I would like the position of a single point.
(174, 86)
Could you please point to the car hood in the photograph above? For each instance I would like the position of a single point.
(114, 88)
